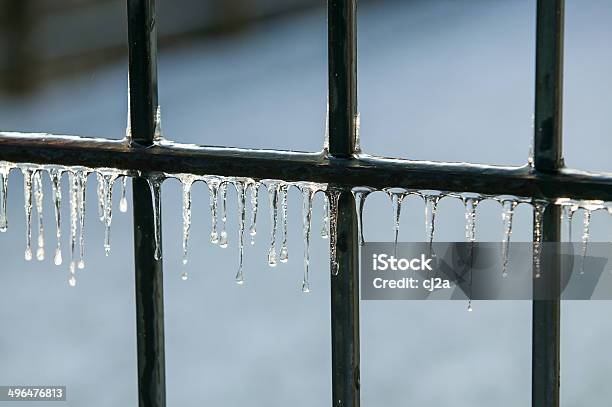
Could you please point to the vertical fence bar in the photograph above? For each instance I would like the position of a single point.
(143, 127)
(342, 60)
(548, 158)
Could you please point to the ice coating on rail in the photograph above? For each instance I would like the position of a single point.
(155, 183)
(325, 223)
(241, 186)
(28, 174)
(56, 185)
(5, 169)
(223, 242)
(38, 198)
(333, 196)
(284, 250)
(273, 189)
(213, 191)
(360, 194)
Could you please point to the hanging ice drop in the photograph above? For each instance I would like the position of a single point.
(307, 193)
(254, 205)
(324, 227)
(27, 192)
(38, 198)
(5, 169)
(186, 182)
(334, 196)
(538, 213)
(284, 251)
(155, 183)
(74, 196)
(223, 235)
(56, 178)
(508, 206)
(273, 188)
(241, 193)
(360, 194)
(123, 206)
(213, 191)
(82, 187)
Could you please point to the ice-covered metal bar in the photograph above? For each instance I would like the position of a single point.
(548, 159)
(344, 250)
(143, 128)
(294, 166)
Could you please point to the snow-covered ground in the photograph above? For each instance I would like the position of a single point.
(443, 80)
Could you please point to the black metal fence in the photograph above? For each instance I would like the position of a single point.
(546, 179)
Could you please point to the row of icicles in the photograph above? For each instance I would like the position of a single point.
(277, 196)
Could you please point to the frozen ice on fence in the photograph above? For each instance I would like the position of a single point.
(277, 193)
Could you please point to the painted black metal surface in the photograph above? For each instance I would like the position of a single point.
(148, 269)
(342, 51)
(548, 159)
(374, 172)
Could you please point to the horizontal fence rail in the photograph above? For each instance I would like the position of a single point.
(316, 167)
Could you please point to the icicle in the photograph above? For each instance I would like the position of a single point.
(5, 169)
(568, 214)
(397, 196)
(284, 251)
(213, 189)
(586, 236)
(470, 201)
(108, 177)
(360, 194)
(324, 227)
(56, 183)
(223, 235)
(273, 188)
(38, 197)
(254, 204)
(507, 215)
(82, 187)
(431, 208)
(123, 206)
(187, 182)
(241, 195)
(74, 197)
(100, 191)
(568, 207)
(334, 196)
(538, 208)
(307, 194)
(27, 192)
(155, 183)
